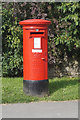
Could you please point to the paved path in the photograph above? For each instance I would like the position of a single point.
(67, 109)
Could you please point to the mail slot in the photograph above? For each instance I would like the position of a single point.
(35, 56)
(33, 33)
(36, 34)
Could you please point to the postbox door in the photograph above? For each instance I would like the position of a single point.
(38, 58)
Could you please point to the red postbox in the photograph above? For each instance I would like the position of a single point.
(35, 56)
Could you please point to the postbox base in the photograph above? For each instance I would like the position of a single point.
(35, 87)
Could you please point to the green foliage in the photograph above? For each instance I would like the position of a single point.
(70, 18)
(68, 41)
(63, 31)
(12, 44)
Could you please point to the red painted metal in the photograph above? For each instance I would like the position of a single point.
(35, 22)
(35, 60)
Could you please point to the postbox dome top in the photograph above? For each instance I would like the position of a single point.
(34, 22)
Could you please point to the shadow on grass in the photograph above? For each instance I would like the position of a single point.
(56, 85)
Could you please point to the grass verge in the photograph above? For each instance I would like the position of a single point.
(60, 89)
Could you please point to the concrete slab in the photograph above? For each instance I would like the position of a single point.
(67, 109)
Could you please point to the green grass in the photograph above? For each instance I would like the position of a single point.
(60, 89)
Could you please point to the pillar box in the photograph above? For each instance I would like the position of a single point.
(35, 56)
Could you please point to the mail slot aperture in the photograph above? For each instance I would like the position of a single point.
(37, 33)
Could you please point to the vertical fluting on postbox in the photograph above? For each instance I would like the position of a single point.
(35, 56)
